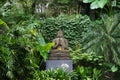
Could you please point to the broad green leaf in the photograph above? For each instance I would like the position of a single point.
(94, 5)
(33, 32)
(88, 1)
(102, 3)
(9, 74)
(41, 39)
(104, 38)
(44, 49)
(4, 24)
(89, 78)
(48, 46)
(63, 1)
(114, 68)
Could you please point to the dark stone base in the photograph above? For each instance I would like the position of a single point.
(59, 51)
(59, 56)
(63, 64)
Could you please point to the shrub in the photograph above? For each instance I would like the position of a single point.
(88, 73)
(6, 59)
(72, 26)
(51, 74)
(86, 59)
(22, 51)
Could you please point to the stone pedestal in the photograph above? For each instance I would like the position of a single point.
(63, 64)
(59, 59)
(59, 55)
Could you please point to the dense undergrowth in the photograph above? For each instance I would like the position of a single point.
(25, 41)
(24, 51)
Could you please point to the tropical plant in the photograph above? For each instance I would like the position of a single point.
(51, 74)
(3, 26)
(25, 49)
(86, 59)
(43, 48)
(88, 73)
(6, 58)
(110, 6)
(63, 7)
(72, 27)
(96, 3)
(103, 38)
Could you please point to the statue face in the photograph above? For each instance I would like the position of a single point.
(60, 34)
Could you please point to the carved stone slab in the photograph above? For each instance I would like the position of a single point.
(63, 64)
(59, 56)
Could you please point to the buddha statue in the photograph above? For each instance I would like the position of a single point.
(60, 42)
(60, 49)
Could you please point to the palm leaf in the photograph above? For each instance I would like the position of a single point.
(104, 38)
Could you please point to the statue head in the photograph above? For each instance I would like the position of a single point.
(60, 34)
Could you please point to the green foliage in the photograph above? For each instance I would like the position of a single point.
(92, 61)
(11, 12)
(96, 3)
(86, 59)
(3, 24)
(6, 59)
(51, 74)
(26, 48)
(109, 7)
(101, 3)
(16, 11)
(57, 7)
(19, 55)
(114, 68)
(81, 73)
(44, 49)
(103, 38)
(87, 73)
(41, 47)
(23, 49)
(63, 1)
(72, 26)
